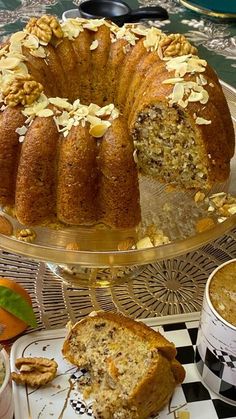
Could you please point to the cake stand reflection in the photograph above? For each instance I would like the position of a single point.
(102, 261)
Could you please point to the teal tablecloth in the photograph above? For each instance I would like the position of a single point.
(216, 41)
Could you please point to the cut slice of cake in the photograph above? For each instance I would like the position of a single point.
(133, 370)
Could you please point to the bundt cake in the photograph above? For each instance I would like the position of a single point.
(132, 370)
(87, 105)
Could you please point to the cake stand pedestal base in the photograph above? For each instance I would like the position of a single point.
(77, 276)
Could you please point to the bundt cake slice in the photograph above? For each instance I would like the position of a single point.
(133, 370)
(173, 131)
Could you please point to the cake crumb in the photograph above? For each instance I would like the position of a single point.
(204, 224)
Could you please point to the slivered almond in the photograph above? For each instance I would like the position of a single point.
(202, 121)
(94, 45)
(9, 63)
(6, 227)
(99, 130)
(45, 113)
(18, 36)
(173, 80)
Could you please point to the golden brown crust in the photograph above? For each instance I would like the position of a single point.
(99, 57)
(154, 391)
(81, 47)
(59, 77)
(40, 72)
(129, 67)
(113, 68)
(68, 59)
(145, 63)
(151, 75)
(77, 178)
(118, 180)
(217, 99)
(10, 120)
(36, 177)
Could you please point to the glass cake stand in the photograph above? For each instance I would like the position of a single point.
(99, 263)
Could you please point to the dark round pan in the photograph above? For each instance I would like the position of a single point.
(119, 12)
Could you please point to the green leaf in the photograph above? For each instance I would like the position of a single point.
(15, 304)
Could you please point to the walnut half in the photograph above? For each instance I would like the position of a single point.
(176, 44)
(23, 90)
(45, 28)
(34, 371)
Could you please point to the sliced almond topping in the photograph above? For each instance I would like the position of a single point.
(9, 63)
(72, 28)
(22, 130)
(99, 130)
(60, 103)
(45, 113)
(40, 52)
(93, 120)
(178, 92)
(94, 24)
(18, 36)
(94, 45)
(195, 97)
(202, 121)
(21, 69)
(93, 109)
(31, 42)
(15, 49)
(174, 80)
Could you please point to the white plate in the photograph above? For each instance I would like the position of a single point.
(56, 400)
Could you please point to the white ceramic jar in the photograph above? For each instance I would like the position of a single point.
(216, 348)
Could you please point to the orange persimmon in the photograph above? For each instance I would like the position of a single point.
(10, 325)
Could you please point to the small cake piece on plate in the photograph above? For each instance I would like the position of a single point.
(133, 369)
